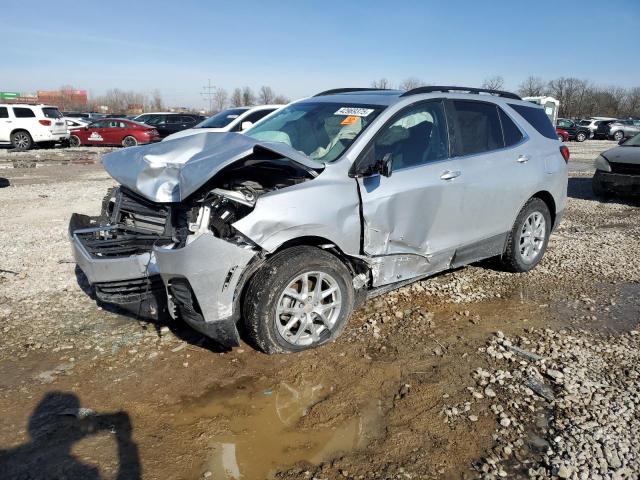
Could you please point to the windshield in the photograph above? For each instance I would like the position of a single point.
(632, 142)
(322, 131)
(222, 119)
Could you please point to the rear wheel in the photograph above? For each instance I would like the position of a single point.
(21, 140)
(581, 136)
(619, 135)
(74, 141)
(129, 141)
(528, 238)
(300, 299)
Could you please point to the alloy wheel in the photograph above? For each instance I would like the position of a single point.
(308, 308)
(21, 140)
(532, 237)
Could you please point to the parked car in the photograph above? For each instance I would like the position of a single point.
(563, 135)
(618, 169)
(24, 126)
(231, 120)
(86, 115)
(592, 123)
(170, 123)
(602, 129)
(113, 132)
(621, 129)
(575, 131)
(329, 201)
(143, 117)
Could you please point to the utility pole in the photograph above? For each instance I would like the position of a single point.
(207, 93)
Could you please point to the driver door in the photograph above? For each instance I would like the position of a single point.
(414, 215)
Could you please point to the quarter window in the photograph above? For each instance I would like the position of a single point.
(538, 120)
(23, 112)
(511, 132)
(418, 136)
(475, 127)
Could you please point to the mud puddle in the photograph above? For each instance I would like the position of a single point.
(256, 431)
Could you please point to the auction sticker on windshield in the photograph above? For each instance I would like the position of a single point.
(357, 112)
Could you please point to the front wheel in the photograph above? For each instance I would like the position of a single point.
(528, 238)
(129, 141)
(581, 137)
(300, 299)
(561, 138)
(619, 135)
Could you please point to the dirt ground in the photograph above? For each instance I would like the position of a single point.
(92, 393)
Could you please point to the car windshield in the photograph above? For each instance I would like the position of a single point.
(632, 142)
(322, 131)
(222, 119)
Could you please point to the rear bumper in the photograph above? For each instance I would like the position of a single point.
(628, 185)
(198, 282)
(50, 137)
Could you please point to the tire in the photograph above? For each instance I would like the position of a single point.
(267, 294)
(515, 257)
(597, 188)
(74, 141)
(581, 137)
(561, 138)
(21, 140)
(619, 135)
(129, 141)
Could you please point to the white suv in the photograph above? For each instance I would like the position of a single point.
(24, 125)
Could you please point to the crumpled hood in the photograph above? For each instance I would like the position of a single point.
(171, 171)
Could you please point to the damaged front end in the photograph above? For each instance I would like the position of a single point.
(165, 240)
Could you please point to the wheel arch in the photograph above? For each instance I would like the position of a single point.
(548, 199)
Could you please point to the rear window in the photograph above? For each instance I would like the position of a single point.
(511, 132)
(51, 112)
(538, 120)
(21, 112)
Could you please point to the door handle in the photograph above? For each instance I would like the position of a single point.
(450, 175)
(523, 159)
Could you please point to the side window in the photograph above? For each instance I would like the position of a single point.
(188, 120)
(476, 127)
(99, 125)
(23, 112)
(538, 120)
(564, 123)
(416, 137)
(4, 113)
(255, 116)
(122, 125)
(511, 132)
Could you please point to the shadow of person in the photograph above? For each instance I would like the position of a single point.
(57, 423)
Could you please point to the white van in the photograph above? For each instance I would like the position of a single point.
(24, 125)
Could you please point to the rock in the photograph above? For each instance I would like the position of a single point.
(564, 471)
(488, 392)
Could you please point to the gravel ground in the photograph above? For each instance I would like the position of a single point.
(437, 355)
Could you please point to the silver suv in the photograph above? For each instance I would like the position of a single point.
(621, 129)
(328, 202)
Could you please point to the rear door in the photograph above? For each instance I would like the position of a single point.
(5, 124)
(497, 172)
(417, 209)
(95, 134)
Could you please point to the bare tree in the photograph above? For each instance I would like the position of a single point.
(382, 83)
(494, 83)
(121, 101)
(236, 98)
(281, 100)
(156, 101)
(411, 83)
(266, 95)
(220, 97)
(248, 97)
(532, 87)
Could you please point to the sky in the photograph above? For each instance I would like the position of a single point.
(302, 47)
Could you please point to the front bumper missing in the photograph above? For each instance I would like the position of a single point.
(199, 281)
(627, 185)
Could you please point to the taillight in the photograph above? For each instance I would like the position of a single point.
(565, 153)
(46, 123)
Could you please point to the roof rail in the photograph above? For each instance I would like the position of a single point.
(347, 90)
(440, 88)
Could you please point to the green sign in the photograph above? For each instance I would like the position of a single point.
(9, 95)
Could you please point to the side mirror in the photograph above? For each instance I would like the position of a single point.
(385, 166)
(246, 125)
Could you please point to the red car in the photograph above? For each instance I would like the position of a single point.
(113, 131)
(563, 135)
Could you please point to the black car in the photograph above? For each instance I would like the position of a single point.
(575, 131)
(168, 123)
